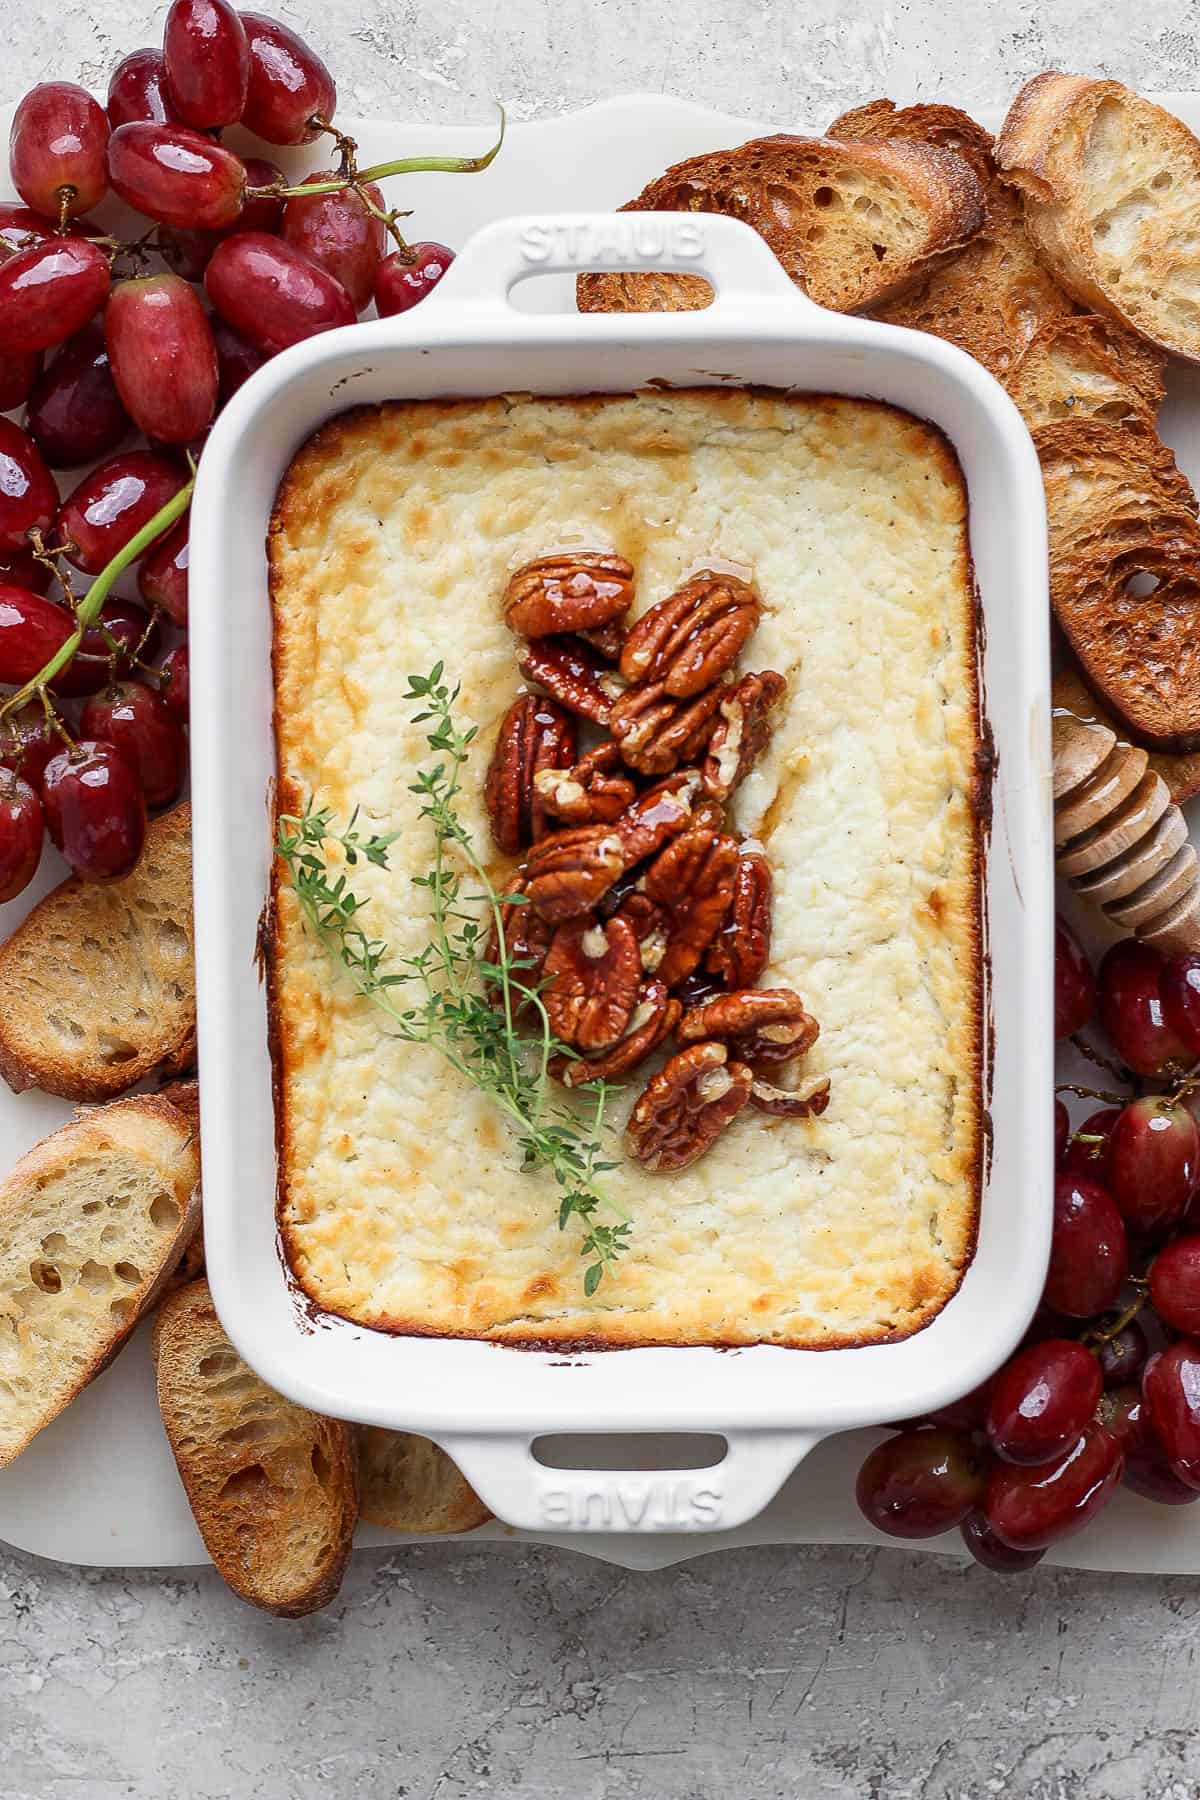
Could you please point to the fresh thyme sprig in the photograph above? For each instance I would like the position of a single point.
(473, 1028)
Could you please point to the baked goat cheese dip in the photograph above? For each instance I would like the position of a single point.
(403, 1203)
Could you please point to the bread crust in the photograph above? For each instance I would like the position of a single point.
(407, 1483)
(1180, 772)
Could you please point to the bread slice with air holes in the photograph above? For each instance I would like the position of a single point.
(1087, 367)
(1111, 190)
(852, 223)
(96, 985)
(1181, 773)
(92, 1222)
(271, 1485)
(407, 1483)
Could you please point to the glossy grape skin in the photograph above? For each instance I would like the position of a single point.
(1123, 1357)
(1175, 1284)
(966, 1413)
(1062, 1131)
(987, 1549)
(95, 810)
(164, 361)
(20, 229)
(56, 149)
(1171, 1388)
(336, 232)
(237, 359)
(1131, 1011)
(207, 61)
(920, 1482)
(1087, 1156)
(49, 291)
(32, 630)
(189, 252)
(27, 742)
(75, 413)
(28, 495)
(1153, 1164)
(20, 568)
(22, 833)
(1074, 983)
(163, 574)
(110, 506)
(1032, 1508)
(139, 722)
(403, 281)
(124, 623)
(1089, 1249)
(175, 686)
(289, 84)
(271, 294)
(176, 175)
(18, 375)
(1041, 1400)
(137, 92)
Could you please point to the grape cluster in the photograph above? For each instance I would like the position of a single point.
(101, 340)
(1105, 1388)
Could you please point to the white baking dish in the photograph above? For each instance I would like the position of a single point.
(487, 1404)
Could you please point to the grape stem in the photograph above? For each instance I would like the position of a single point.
(87, 610)
(1087, 1093)
(353, 176)
(1125, 1076)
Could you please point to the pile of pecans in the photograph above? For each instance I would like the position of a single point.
(642, 914)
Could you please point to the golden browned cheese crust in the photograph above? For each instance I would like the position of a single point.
(402, 1200)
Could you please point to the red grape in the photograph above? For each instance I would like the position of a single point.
(20, 568)
(988, 1550)
(1175, 1285)
(48, 291)
(1041, 1400)
(236, 359)
(1147, 1471)
(1062, 1131)
(1181, 998)
(1153, 1163)
(174, 678)
(1089, 1251)
(122, 628)
(111, 505)
(136, 91)
(271, 294)
(336, 232)
(17, 377)
(1131, 1011)
(404, 280)
(1171, 1387)
(22, 829)
(1123, 1357)
(921, 1482)
(163, 574)
(1029, 1509)
(189, 252)
(1087, 1152)
(32, 630)
(56, 149)
(164, 361)
(28, 496)
(289, 84)
(207, 62)
(968, 1412)
(139, 722)
(95, 810)
(75, 413)
(175, 175)
(21, 229)
(28, 741)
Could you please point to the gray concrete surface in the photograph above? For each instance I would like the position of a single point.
(852, 1675)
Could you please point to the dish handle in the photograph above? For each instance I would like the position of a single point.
(726, 252)
(533, 1496)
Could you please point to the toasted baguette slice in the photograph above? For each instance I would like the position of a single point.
(92, 1222)
(946, 126)
(184, 1096)
(96, 986)
(272, 1486)
(852, 223)
(1087, 367)
(1181, 773)
(1111, 185)
(407, 1483)
(1123, 520)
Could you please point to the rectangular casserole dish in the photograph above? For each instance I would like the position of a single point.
(487, 1403)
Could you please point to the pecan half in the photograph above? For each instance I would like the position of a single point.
(807, 1100)
(692, 636)
(693, 879)
(608, 640)
(593, 978)
(738, 954)
(654, 1019)
(768, 1025)
(590, 793)
(577, 590)
(535, 735)
(686, 1106)
(651, 926)
(567, 873)
(657, 733)
(743, 733)
(573, 673)
(658, 815)
(709, 815)
(526, 942)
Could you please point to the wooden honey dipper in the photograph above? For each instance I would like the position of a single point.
(1119, 838)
